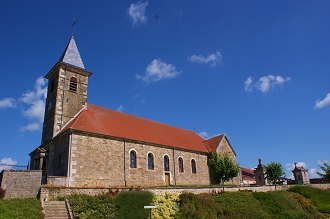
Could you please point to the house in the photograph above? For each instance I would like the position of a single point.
(85, 145)
(248, 176)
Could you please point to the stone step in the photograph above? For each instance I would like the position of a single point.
(55, 210)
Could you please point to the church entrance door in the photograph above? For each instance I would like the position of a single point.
(167, 179)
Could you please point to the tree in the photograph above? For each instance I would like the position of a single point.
(273, 172)
(326, 174)
(223, 168)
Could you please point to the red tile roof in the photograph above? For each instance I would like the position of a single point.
(212, 143)
(247, 171)
(108, 122)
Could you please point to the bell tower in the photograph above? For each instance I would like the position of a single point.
(67, 91)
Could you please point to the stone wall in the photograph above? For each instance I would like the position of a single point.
(225, 148)
(21, 183)
(48, 193)
(105, 162)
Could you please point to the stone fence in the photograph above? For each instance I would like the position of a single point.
(20, 183)
(48, 193)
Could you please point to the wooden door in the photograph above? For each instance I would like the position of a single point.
(167, 179)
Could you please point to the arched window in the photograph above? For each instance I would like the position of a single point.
(150, 161)
(73, 84)
(132, 158)
(166, 163)
(180, 162)
(193, 166)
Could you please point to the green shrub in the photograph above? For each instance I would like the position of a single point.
(167, 206)
(320, 198)
(130, 204)
(239, 205)
(196, 207)
(21, 208)
(280, 205)
(85, 206)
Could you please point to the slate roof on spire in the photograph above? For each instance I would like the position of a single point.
(71, 55)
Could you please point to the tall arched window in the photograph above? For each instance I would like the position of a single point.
(166, 163)
(73, 84)
(150, 161)
(132, 158)
(180, 162)
(193, 166)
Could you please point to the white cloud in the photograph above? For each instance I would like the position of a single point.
(120, 108)
(290, 166)
(203, 134)
(265, 83)
(7, 103)
(322, 103)
(312, 173)
(212, 59)
(321, 162)
(31, 127)
(7, 163)
(137, 12)
(247, 84)
(158, 70)
(36, 100)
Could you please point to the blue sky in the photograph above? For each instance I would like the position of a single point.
(258, 71)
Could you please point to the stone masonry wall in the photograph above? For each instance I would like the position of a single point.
(58, 156)
(48, 193)
(225, 148)
(21, 183)
(99, 162)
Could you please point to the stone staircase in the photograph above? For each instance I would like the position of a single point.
(56, 210)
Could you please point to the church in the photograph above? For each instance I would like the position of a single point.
(85, 145)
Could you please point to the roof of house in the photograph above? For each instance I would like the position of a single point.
(99, 120)
(246, 171)
(213, 143)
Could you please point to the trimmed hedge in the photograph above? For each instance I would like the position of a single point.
(130, 204)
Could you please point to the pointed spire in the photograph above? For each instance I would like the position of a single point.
(71, 55)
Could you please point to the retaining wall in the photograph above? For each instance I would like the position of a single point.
(20, 183)
(48, 193)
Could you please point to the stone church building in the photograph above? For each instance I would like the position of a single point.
(84, 145)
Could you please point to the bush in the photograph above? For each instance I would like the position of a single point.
(320, 198)
(196, 207)
(167, 206)
(85, 206)
(130, 204)
(280, 205)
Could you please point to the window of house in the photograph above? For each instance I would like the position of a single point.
(132, 159)
(193, 166)
(150, 161)
(180, 162)
(73, 84)
(166, 163)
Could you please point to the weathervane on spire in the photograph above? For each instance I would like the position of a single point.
(74, 22)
